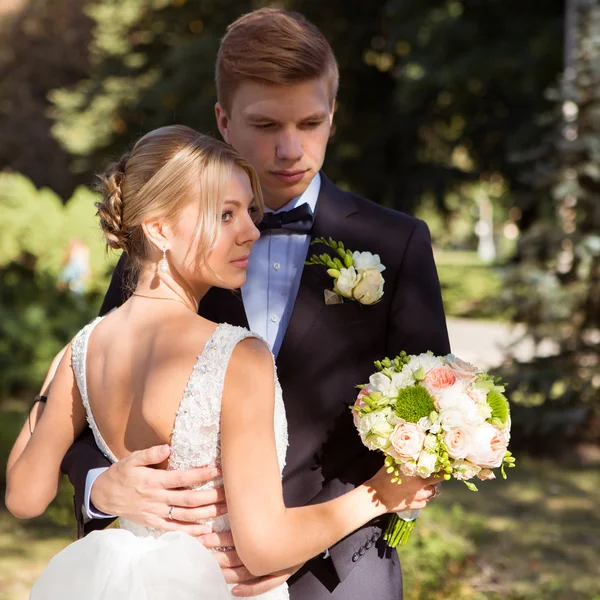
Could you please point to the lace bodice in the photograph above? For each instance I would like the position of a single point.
(195, 440)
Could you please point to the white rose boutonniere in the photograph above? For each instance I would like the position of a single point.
(356, 275)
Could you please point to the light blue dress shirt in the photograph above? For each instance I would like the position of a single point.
(272, 282)
(274, 273)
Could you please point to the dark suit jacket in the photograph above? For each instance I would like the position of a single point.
(326, 351)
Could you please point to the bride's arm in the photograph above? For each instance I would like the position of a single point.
(268, 536)
(33, 470)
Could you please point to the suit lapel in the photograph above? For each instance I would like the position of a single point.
(333, 207)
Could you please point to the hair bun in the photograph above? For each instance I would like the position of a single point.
(110, 209)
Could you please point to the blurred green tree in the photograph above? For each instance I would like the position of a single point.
(556, 284)
(432, 93)
(43, 45)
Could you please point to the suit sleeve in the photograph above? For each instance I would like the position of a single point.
(417, 319)
(84, 454)
(416, 324)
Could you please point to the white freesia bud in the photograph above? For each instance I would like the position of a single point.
(346, 282)
(365, 261)
(370, 288)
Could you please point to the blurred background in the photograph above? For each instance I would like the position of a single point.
(483, 118)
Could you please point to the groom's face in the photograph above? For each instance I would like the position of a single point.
(282, 130)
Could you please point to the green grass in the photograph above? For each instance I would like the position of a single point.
(470, 288)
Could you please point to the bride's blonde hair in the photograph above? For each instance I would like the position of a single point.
(165, 169)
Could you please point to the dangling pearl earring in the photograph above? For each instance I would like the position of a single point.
(163, 265)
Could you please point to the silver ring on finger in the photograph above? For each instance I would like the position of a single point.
(170, 515)
(437, 491)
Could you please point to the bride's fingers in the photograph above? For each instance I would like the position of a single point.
(193, 515)
(228, 559)
(218, 539)
(237, 575)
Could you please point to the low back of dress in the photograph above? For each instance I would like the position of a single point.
(196, 439)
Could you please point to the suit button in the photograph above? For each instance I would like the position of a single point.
(368, 544)
(362, 551)
(355, 557)
(374, 537)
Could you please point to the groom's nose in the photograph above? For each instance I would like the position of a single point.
(289, 146)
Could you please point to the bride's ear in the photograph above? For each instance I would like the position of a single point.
(157, 233)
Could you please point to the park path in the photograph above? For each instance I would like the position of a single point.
(485, 343)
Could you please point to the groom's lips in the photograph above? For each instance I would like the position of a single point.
(289, 176)
(241, 262)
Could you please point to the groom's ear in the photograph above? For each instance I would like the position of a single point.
(222, 121)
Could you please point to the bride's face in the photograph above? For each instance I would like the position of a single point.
(226, 264)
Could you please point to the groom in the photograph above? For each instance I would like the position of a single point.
(277, 81)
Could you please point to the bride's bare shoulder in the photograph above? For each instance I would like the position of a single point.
(251, 362)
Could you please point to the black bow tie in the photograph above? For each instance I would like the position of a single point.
(297, 220)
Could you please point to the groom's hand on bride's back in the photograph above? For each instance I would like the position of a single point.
(134, 490)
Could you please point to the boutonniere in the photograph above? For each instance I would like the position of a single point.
(356, 275)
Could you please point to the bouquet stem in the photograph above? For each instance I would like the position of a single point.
(398, 531)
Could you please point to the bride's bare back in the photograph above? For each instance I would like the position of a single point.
(143, 356)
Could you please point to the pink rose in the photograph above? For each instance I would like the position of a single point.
(440, 378)
(407, 439)
(485, 474)
(466, 371)
(488, 447)
(458, 441)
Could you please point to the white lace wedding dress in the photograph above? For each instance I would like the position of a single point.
(140, 563)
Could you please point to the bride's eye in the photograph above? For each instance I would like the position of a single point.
(226, 216)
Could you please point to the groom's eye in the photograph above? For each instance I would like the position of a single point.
(264, 125)
(312, 124)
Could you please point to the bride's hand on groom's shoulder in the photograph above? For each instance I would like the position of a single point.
(413, 493)
(133, 490)
(235, 572)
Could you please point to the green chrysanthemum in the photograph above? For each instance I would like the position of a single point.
(414, 403)
(499, 405)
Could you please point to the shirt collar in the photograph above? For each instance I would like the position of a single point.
(310, 197)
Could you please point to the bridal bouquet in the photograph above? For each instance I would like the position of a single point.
(433, 415)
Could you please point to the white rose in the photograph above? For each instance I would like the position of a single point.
(426, 465)
(402, 380)
(363, 261)
(458, 409)
(464, 470)
(346, 282)
(407, 440)
(379, 382)
(370, 288)
(374, 428)
(426, 361)
(458, 441)
(488, 447)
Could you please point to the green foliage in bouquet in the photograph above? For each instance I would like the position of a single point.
(499, 405)
(414, 403)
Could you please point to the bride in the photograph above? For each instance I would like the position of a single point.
(183, 206)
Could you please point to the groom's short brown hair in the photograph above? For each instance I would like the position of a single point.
(273, 46)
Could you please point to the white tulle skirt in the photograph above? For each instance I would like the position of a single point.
(117, 565)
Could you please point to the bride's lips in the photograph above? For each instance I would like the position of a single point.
(241, 262)
(289, 176)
